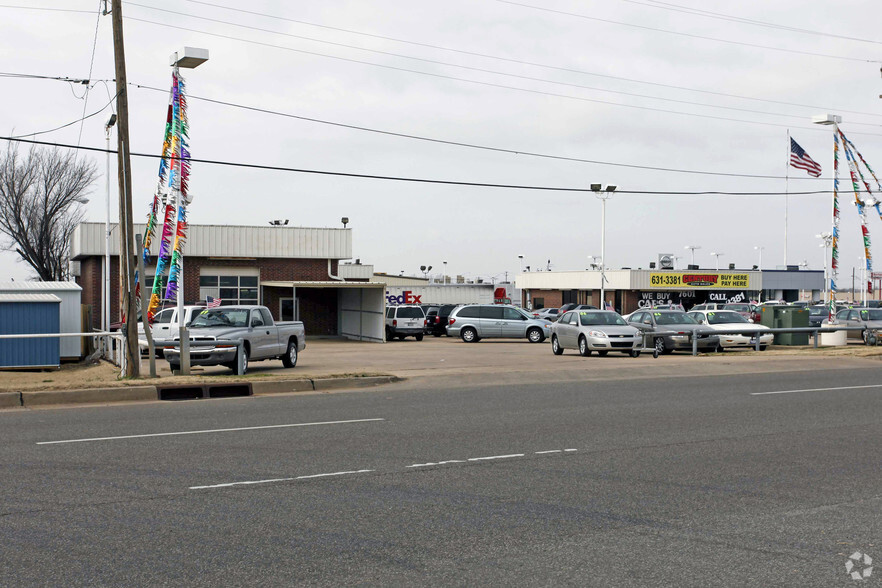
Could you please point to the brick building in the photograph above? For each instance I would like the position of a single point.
(291, 270)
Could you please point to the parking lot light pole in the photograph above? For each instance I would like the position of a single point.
(717, 255)
(603, 195)
(692, 248)
(760, 249)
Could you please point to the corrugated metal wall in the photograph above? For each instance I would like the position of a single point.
(232, 241)
(17, 318)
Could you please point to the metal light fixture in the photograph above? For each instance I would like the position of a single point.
(604, 196)
(345, 221)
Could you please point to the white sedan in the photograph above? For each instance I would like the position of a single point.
(724, 320)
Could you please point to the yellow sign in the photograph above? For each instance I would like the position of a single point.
(699, 280)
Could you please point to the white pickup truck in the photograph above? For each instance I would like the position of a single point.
(165, 326)
(262, 338)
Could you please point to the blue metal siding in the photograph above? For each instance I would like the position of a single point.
(18, 318)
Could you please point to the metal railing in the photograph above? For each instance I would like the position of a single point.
(814, 331)
(113, 343)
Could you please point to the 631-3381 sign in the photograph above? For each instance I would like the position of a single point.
(698, 280)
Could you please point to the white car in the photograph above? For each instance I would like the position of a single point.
(165, 325)
(724, 320)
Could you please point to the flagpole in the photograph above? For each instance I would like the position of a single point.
(786, 197)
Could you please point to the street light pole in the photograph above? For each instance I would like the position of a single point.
(760, 249)
(692, 249)
(603, 196)
(105, 295)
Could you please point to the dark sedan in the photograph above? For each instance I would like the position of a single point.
(678, 324)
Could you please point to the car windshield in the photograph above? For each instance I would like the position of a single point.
(724, 317)
(818, 310)
(217, 317)
(874, 314)
(738, 307)
(601, 318)
(410, 312)
(673, 318)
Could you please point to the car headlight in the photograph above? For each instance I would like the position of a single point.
(596, 334)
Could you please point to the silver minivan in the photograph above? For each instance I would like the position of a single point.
(476, 321)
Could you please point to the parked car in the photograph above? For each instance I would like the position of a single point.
(431, 315)
(595, 330)
(722, 320)
(437, 324)
(475, 321)
(869, 318)
(743, 308)
(818, 314)
(263, 338)
(165, 326)
(679, 323)
(404, 321)
(573, 306)
(549, 314)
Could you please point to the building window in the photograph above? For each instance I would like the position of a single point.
(230, 289)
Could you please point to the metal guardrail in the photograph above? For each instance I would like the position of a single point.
(871, 336)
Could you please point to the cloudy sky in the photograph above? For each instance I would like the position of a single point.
(553, 91)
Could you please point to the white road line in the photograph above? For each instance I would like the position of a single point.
(816, 390)
(423, 465)
(251, 482)
(550, 451)
(496, 457)
(568, 450)
(209, 431)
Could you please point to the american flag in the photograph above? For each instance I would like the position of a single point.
(212, 302)
(801, 160)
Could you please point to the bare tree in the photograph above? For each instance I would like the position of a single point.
(41, 195)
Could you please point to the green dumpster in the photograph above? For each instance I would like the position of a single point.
(791, 317)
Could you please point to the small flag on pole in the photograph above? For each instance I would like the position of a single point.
(801, 160)
(212, 302)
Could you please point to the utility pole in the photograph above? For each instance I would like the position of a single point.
(127, 240)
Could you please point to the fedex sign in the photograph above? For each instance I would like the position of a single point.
(406, 297)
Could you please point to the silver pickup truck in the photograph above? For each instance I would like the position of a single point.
(262, 337)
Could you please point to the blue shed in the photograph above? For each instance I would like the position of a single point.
(22, 314)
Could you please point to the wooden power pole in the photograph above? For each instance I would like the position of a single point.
(127, 240)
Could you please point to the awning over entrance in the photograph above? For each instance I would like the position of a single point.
(360, 306)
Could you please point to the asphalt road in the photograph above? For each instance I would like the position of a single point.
(675, 481)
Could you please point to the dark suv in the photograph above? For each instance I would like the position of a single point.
(438, 323)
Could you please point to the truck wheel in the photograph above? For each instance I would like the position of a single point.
(535, 336)
(289, 360)
(418, 337)
(234, 365)
(469, 335)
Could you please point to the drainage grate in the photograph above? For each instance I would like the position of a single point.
(229, 390)
(180, 392)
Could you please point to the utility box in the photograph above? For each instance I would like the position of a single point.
(791, 317)
(768, 314)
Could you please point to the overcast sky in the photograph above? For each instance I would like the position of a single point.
(606, 81)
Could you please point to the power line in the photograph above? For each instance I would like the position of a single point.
(489, 84)
(477, 69)
(529, 63)
(690, 35)
(79, 120)
(463, 144)
(717, 15)
(91, 65)
(46, 9)
(422, 180)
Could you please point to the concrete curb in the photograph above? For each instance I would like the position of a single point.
(10, 400)
(91, 395)
(44, 398)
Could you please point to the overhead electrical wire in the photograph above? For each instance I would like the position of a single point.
(91, 65)
(739, 19)
(46, 9)
(490, 84)
(478, 69)
(690, 35)
(460, 143)
(423, 180)
(79, 120)
(529, 63)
